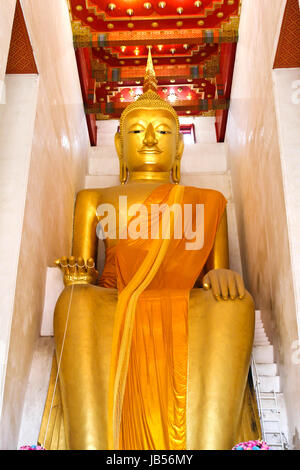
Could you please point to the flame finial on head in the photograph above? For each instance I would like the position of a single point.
(150, 99)
(150, 82)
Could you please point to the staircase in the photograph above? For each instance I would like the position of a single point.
(267, 386)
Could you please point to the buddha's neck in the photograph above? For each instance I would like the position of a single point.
(149, 176)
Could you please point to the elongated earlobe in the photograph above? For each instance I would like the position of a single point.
(123, 167)
(176, 167)
(123, 171)
(176, 171)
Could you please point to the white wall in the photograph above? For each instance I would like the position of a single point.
(259, 191)
(56, 172)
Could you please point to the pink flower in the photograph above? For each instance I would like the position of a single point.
(32, 448)
(251, 445)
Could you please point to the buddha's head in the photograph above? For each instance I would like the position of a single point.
(149, 140)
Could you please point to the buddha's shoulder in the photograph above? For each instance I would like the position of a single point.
(90, 192)
(206, 193)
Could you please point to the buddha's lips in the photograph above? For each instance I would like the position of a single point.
(149, 151)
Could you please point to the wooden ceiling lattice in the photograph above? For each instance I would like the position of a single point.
(188, 40)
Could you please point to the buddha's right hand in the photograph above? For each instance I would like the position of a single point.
(76, 271)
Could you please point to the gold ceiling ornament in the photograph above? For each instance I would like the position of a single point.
(179, 10)
(212, 66)
(130, 12)
(147, 5)
(162, 4)
(210, 113)
(150, 98)
(111, 6)
(230, 29)
(102, 117)
(197, 3)
(80, 32)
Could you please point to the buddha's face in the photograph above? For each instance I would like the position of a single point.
(149, 140)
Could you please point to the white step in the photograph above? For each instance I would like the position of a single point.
(263, 354)
(272, 426)
(260, 329)
(267, 369)
(273, 438)
(261, 342)
(268, 401)
(269, 384)
(257, 315)
(270, 415)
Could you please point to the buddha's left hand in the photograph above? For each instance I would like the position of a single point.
(225, 284)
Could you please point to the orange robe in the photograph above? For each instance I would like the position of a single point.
(148, 382)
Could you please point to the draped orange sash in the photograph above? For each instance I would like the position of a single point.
(149, 361)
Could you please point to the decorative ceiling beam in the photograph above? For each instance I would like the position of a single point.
(191, 74)
(195, 106)
(126, 38)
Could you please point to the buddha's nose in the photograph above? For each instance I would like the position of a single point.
(150, 138)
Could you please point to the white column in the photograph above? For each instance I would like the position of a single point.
(287, 103)
(17, 119)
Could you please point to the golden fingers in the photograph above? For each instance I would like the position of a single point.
(225, 284)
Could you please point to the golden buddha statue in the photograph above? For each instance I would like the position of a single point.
(155, 354)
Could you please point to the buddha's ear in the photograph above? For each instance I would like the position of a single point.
(176, 166)
(118, 145)
(180, 147)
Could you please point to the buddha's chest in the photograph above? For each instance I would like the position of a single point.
(120, 204)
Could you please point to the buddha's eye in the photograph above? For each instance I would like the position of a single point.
(163, 132)
(135, 131)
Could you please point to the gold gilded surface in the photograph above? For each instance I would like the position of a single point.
(220, 408)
